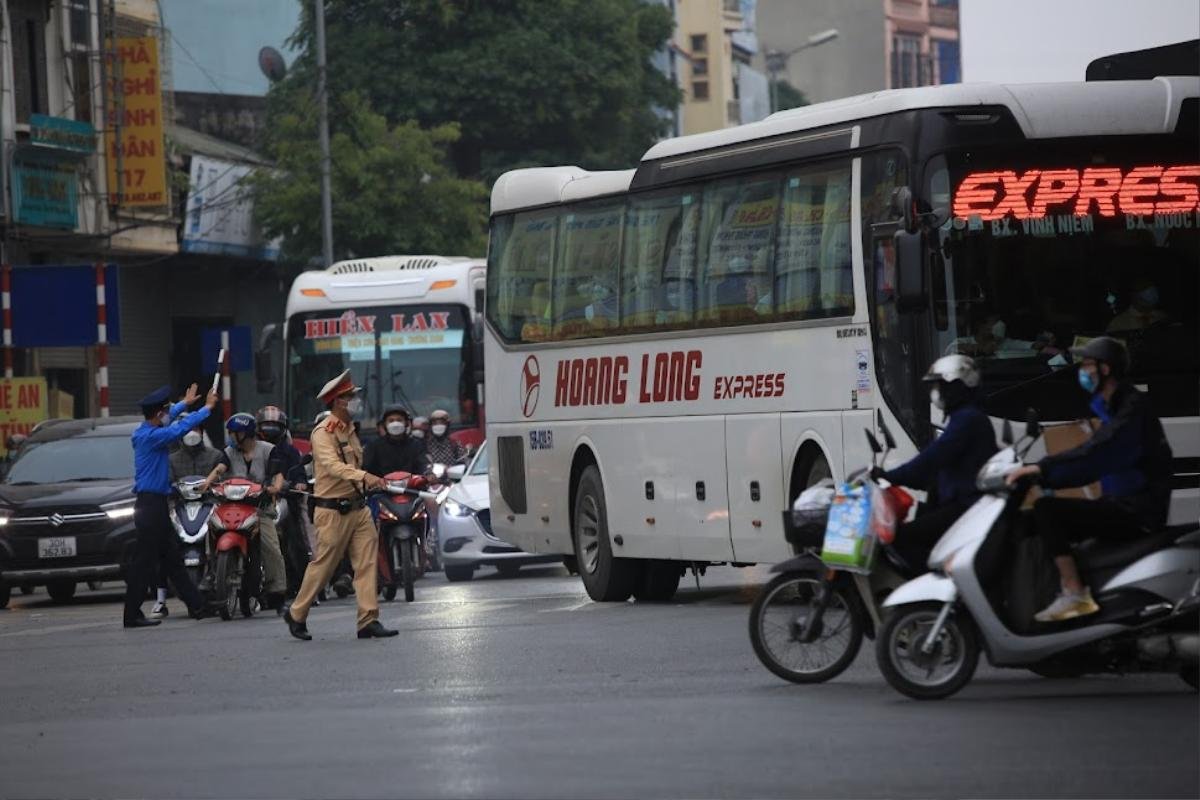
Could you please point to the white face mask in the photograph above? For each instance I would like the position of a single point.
(438, 430)
(418, 434)
(164, 418)
(354, 406)
(396, 428)
(191, 438)
(999, 330)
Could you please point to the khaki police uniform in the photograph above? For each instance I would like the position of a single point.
(338, 475)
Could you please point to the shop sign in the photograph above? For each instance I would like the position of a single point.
(44, 189)
(59, 133)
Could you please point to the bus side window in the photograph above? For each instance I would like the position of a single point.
(519, 276)
(585, 277)
(739, 227)
(658, 265)
(814, 275)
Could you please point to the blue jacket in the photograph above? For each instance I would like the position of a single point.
(951, 462)
(151, 456)
(1128, 454)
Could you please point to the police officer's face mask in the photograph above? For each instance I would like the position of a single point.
(354, 407)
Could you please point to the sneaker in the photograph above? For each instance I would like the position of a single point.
(160, 610)
(1068, 605)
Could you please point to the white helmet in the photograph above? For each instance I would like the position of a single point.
(949, 369)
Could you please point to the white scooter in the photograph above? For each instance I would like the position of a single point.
(1148, 590)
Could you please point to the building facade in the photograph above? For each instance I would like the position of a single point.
(881, 44)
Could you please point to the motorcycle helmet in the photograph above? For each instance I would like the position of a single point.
(439, 422)
(419, 427)
(1105, 350)
(955, 378)
(241, 423)
(394, 427)
(272, 424)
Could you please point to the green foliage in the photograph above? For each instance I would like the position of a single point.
(392, 189)
(788, 96)
(530, 82)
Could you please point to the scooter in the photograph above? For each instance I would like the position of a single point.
(403, 523)
(808, 623)
(237, 563)
(1148, 590)
(191, 509)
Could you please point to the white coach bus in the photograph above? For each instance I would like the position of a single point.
(403, 325)
(675, 351)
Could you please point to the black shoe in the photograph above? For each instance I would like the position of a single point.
(375, 630)
(141, 622)
(297, 629)
(201, 612)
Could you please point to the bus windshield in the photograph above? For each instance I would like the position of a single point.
(411, 355)
(1047, 246)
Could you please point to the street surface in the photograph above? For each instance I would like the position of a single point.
(524, 688)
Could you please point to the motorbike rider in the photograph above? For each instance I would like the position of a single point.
(1128, 454)
(273, 429)
(440, 448)
(950, 462)
(194, 457)
(247, 456)
(395, 450)
(419, 430)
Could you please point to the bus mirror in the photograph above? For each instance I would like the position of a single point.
(904, 209)
(479, 300)
(1006, 432)
(264, 371)
(873, 443)
(910, 271)
(269, 335)
(888, 439)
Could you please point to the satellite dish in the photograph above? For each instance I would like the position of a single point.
(272, 65)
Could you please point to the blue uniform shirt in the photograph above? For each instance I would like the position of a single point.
(151, 471)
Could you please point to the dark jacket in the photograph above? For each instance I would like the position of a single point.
(951, 462)
(1128, 454)
(387, 454)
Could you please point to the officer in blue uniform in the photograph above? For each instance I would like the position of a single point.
(164, 425)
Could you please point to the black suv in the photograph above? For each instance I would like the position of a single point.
(66, 506)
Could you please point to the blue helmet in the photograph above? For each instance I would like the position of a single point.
(241, 423)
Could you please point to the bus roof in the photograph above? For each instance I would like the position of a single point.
(1043, 111)
(387, 280)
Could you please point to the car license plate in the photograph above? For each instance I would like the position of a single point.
(56, 547)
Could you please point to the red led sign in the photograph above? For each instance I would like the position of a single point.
(1104, 190)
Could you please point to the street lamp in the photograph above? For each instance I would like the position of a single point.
(777, 60)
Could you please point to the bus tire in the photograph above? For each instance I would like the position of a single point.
(658, 582)
(606, 577)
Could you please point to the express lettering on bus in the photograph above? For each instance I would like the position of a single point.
(1140, 190)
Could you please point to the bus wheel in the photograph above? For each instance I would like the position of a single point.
(658, 582)
(606, 577)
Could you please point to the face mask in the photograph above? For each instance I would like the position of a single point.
(935, 397)
(164, 418)
(417, 434)
(192, 439)
(395, 428)
(438, 430)
(354, 406)
(1148, 297)
(231, 443)
(1087, 381)
(999, 330)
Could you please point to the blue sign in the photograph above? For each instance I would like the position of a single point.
(241, 350)
(56, 306)
(44, 189)
(62, 134)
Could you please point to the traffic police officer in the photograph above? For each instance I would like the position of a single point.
(341, 515)
(156, 541)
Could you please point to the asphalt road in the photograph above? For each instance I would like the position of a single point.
(523, 688)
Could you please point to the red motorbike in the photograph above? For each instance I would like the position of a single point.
(403, 525)
(233, 537)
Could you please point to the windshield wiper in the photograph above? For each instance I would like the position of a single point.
(23, 483)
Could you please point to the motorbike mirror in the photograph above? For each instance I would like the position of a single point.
(438, 470)
(1033, 428)
(872, 442)
(888, 439)
(456, 472)
(1006, 433)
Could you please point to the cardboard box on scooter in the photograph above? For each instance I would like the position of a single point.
(1059, 438)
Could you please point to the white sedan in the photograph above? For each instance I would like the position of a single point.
(465, 529)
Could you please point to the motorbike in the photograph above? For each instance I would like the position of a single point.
(403, 524)
(443, 476)
(808, 623)
(1148, 590)
(191, 509)
(237, 563)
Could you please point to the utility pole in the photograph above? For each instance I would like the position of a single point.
(323, 127)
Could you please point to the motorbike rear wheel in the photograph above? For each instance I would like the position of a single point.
(408, 555)
(225, 583)
(781, 613)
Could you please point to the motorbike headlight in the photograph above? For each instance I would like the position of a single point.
(122, 509)
(237, 492)
(455, 509)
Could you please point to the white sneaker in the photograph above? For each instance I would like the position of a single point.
(1068, 605)
(159, 611)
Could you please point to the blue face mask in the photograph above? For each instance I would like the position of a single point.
(1087, 381)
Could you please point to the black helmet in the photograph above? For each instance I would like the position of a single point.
(1108, 350)
(272, 424)
(395, 408)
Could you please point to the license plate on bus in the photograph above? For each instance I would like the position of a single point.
(56, 547)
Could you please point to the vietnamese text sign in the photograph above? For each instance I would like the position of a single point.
(220, 213)
(134, 136)
(22, 405)
(62, 134)
(44, 189)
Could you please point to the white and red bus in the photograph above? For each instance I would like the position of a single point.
(675, 351)
(404, 326)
